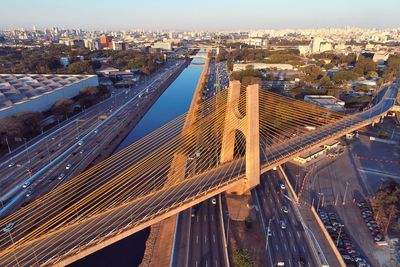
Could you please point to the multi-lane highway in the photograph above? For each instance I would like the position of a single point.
(67, 149)
(286, 237)
(165, 201)
(203, 243)
(199, 238)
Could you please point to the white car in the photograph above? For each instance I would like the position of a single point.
(11, 164)
(282, 185)
(214, 201)
(26, 184)
(285, 209)
(80, 143)
(68, 166)
(283, 224)
(269, 232)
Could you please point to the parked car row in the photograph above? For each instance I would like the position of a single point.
(342, 240)
(368, 215)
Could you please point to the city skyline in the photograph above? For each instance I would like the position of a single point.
(207, 15)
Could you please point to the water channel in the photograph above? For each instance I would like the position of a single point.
(172, 103)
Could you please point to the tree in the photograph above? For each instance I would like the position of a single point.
(61, 107)
(313, 73)
(241, 258)
(345, 76)
(81, 67)
(372, 74)
(328, 66)
(364, 65)
(325, 81)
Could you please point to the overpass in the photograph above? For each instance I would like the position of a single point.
(171, 169)
(204, 56)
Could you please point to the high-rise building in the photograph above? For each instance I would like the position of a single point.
(315, 44)
(105, 41)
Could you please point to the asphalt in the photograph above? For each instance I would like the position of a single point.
(285, 245)
(64, 240)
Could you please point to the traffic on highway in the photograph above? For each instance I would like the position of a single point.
(67, 149)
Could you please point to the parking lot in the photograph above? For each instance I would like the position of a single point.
(343, 181)
(345, 243)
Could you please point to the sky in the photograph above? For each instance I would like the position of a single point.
(198, 14)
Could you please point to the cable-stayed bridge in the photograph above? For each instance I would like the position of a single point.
(222, 145)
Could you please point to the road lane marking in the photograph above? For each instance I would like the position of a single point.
(205, 239)
(281, 234)
(196, 264)
(276, 247)
(285, 246)
(205, 218)
(298, 234)
(212, 217)
(197, 239)
(304, 250)
(214, 238)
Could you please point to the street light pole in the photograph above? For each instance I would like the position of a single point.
(345, 192)
(340, 232)
(8, 230)
(266, 242)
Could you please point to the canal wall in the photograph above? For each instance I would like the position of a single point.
(159, 245)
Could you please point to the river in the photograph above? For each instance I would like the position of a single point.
(173, 102)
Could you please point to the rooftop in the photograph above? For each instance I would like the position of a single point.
(16, 88)
(326, 101)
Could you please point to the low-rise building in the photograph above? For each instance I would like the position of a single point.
(261, 66)
(326, 101)
(38, 92)
(162, 45)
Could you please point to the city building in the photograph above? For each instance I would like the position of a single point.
(162, 45)
(316, 152)
(380, 57)
(118, 45)
(105, 41)
(315, 44)
(38, 92)
(326, 101)
(261, 66)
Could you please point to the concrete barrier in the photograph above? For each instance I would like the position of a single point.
(292, 192)
(328, 237)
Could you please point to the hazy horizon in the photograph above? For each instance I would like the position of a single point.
(199, 15)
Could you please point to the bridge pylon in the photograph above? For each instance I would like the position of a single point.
(249, 126)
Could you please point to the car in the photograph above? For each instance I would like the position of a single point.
(68, 166)
(81, 152)
(96, 131)
(283, 224)
(29, 192)
(62, 175)
(194, 211)
(285, 209)
(378, 237)
(269, 232)
(8, 227)
(80, 142)
(11, 164)
(26, 184)
(282, 185)
(214, 201)
(51, 179)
